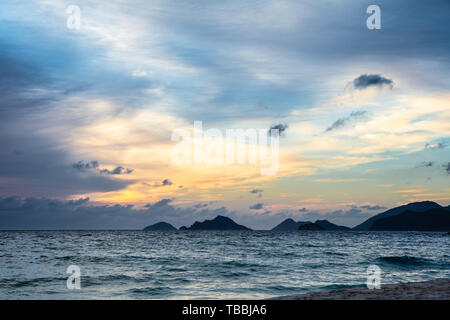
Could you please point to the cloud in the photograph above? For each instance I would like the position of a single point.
(82, 166)
(201, 205)
(426, 164)
(158, 204)
(164, 183)
(258, 192)
(257, 206)
(371, 80)
(353, 117)
(347, 217)
(37, 170)
(117, 170)
(439, 145)
(375, 207)
(280, 127)
(42, 213)
(221, 57)
(447, 168)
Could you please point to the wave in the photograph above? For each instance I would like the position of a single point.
(116, 277)
(150, 291)
(405, 261)
(35, 282)
(335, 253)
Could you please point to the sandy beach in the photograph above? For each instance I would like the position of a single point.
(427, 290)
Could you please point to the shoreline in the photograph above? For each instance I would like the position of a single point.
(424, 290)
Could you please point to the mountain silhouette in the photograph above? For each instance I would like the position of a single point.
(437, 219)
(289, 225)
(160, 226)
(311, 227)
(327, 225)
(415, 216)
(218, 223)
(414, 206)
(324, 225)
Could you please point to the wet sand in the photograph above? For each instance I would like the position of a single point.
(427, 290)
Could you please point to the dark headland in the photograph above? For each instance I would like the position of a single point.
(218, 223)
(323, 225)
(422, 206)
(160, 226)
(289, 225)
(311, 227)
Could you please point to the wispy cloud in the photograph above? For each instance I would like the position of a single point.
(353, 117)
(374, 207)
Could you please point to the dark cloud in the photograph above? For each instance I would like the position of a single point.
(447, 168)
(82, 166)
(39, 170)
(353, 117)
(257, 206)
(280, 127)
(257, 192)
(43, 213)
(426, 164)
(117, 170)
(37, 164)
(164, 183)
(18, 81)
(371, 80)
(158, 204)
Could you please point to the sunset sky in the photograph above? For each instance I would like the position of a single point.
(86, 115)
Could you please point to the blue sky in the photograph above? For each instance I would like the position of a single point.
(114, 90)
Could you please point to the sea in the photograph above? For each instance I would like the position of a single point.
(211, 264)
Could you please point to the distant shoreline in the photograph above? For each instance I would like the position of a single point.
(425, 290)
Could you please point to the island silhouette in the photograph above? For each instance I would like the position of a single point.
(415, 216)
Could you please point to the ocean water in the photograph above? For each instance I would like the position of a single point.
(211, 264)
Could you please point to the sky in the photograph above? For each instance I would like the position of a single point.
(87, 114)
